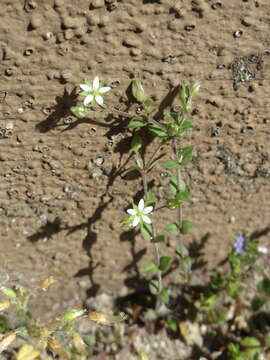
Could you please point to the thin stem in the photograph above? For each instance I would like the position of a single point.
(154, 234)
(112, 110)
(155, 152)
(178, 179)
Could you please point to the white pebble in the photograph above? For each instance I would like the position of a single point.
(262, 249)
(9, 126)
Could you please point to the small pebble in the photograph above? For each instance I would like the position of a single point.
(28, 52)
(189, 27)
(66, 75)
(97, 174)
(95, 4)
(20, 110)
(262, 249)
(99, 161)
(216, 5)
(238, 33)
(36, 21)
(9, 126)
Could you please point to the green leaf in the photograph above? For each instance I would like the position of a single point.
(136, 142)
(151, 269)
(176, 118)
(172, 323)
(171, 164)
(165, 262)
(158, 239)
(148, 102)
(163, 296)
(267, 341)
(79, 111)
(182, 251)
(264, 286)
(150, 199)
(186, 227)
(185, 155)
(173, 185)
(157, 131)
(138, 164)
(153, 287)
(250, 342)
(172, 228)
(258, 302)
(173, 204)
(182, 196)
(146, 231)
(137, 90)
(185, 126)
(10, 293)
(136, 123)
(186, 264)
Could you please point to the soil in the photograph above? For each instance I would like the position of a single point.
(60, 205)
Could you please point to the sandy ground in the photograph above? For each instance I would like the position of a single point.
(60, 210)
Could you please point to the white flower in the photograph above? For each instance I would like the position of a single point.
(93, 91)
(139, 213)
(262, 249)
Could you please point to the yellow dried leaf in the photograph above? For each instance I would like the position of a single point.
(78, 342)
(104, 319)
(56, 347)
(185, 331)
(27, 352)
(5, 341)
(44, 284)
(4, 305)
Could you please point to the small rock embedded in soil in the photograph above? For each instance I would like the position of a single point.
(36, 21)
(95, 4)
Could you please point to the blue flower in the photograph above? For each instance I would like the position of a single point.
(240, 244)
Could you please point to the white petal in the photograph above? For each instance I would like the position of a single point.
(141, 205)
(85, 87)
(99, 99)
(88, 99)
(131, 212)
(148, 209)
(136, 221)
(96, 83)
(146, 219)
(105, 89)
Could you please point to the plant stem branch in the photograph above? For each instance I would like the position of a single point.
(178, 179)
(154, 234)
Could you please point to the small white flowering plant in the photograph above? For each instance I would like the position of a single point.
(212, 304)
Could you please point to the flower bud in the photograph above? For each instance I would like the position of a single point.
(137, 90)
